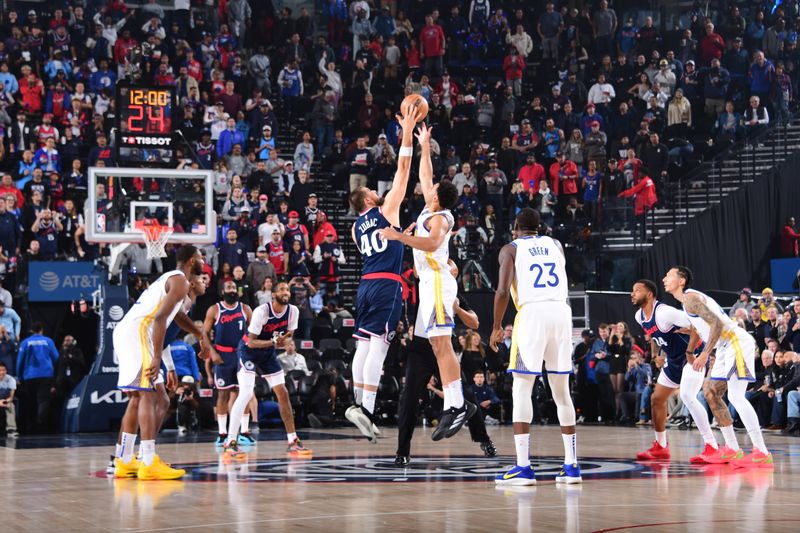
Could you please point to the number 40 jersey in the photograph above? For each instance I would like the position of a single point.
(541, 274)
(377, 255)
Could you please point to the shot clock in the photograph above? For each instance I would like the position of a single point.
(144, 124)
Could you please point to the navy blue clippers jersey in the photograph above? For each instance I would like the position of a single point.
(672, 343)
(377, 255)
(231, 325)
(171, 334)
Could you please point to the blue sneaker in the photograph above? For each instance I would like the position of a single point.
(220, 442)
(246, 439)
(569, 474)
(517, 475)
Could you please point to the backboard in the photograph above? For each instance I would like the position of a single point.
(120, 199)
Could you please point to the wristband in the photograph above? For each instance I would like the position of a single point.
(406, 151)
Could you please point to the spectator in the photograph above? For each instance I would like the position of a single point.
(260, 269)
(599, 362)
(301, 292)
(11, 321)
(760, 74)
(637, 389)
(291, 360)
(644, 193)
(8, 389)
(465, 177)
(232, 251)
(70, 369)
(655, 158)
(545, 202)
(514, 67)
(712, 46)
(530, 174)
(755, 117)
(745, 302)
(432, 43)
(487, 398)
(36, 364)
(564, 175)
(328, 256)
(789, 239)
(728, 125)
(715, 88)
(591, 183)
(549, 28)
(781, 93)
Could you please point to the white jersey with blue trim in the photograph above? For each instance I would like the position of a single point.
(429, 263)
(541, 273)
(704, 329)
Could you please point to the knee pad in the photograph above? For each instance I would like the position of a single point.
(273, 380)
(521, 391)
(559, 385)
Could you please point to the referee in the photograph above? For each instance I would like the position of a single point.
(420, 366)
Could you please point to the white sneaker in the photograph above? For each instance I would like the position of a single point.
(375, 430)
(362, 422)
(489, 421)
(181, 430)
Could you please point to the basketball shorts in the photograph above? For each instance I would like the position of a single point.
(668, 381)
(225, 374)
(437, 296)
(379, 305)
(542, 334)
(262, 362)
(670, 375)
(134, 354)
(735, 357)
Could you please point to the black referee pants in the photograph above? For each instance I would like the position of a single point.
(420, 366)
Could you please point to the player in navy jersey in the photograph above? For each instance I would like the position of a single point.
(379, 299)
(228, 319)
(271, 325)
(668, 330)
(130, 419)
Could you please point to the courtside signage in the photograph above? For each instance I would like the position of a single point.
(62, 281)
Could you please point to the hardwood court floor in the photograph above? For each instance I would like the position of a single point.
(58, 484)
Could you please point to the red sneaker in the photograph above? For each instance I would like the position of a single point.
(755, 459)
(708, 451)
(724, 455)
(655, 453)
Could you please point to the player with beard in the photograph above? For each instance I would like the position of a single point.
(138, 343)
(271, 325)
(380, 297)
(228, 319)
(668, 329)
(123, 463)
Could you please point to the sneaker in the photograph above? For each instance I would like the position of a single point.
(362, 421)
(296, 448)
(702, 458)
(755, 459)
(12, 433)
(453, 420)
(489, 421)
(182, 430)
(520, 476)
(230, 450)
(159, 471)
(655, 453)
(488, 449)
(569, 474)
(375, 430)
(724, 455)
(221, 438)
(110, 466)
(643, 422)
(123, 470)
(246, 439)
(402, 461)
(580, 420)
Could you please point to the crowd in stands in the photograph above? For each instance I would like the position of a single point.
(590, 114)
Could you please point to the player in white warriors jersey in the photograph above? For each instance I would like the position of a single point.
(138, 343)
(437, 286)
(733, 368)
(533, 272)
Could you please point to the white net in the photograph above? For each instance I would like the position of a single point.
(155, 237)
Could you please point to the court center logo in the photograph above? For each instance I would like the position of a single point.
(49, 281)
(422, 469)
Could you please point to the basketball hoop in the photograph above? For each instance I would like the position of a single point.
(155, 237)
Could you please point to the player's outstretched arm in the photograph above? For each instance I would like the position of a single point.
(425, 165)
(177, 289)
(508, 255)
(438, 232)
(391, 205)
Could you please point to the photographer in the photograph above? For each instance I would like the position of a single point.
(471, 240)
(637, 390)
(46, 230)
(70, 369)
(186, 405)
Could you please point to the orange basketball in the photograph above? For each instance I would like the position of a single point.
(419, 102)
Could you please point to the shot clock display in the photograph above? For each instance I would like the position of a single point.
(144, 124)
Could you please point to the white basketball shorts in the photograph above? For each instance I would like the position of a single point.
(542, 334)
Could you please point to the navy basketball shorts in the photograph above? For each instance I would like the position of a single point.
(263, 362)
(379, 305)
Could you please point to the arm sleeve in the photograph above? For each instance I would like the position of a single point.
(667, 316)
(258, 320)
(166, 358)
(294, 314)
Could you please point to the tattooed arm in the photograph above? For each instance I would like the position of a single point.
(695, 305)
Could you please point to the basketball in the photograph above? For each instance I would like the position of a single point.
(418, 101)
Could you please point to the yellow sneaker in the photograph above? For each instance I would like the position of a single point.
(123, 470)
(159, 470)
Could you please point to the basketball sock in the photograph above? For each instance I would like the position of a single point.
(691, 385)
(448, 400)
(747, 414)
(368, 400)
(358, 392)
(523, 445)
(730, 437)
(118, 451)
(758, 440)
(570, 448)
(244, 427)
(661, 438)
(222, 424)
(291, 437)
(247, 383)
(128, 444)
(456, 393)
(148, 451)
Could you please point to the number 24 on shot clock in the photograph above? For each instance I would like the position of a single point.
(146, 110)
